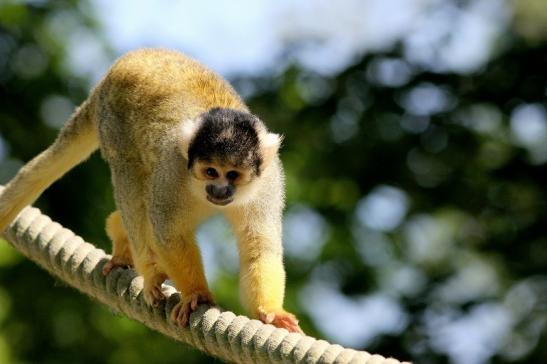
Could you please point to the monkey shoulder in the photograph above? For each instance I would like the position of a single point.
(162, 82)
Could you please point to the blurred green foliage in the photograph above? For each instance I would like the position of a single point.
(427, 190)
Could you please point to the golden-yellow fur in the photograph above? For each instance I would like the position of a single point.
(121, 253)
(143, 115)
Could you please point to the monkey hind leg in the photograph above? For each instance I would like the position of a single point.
(123, 257)
(134, 231)
(121, 250)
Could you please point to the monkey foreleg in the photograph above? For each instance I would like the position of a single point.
(181, 260)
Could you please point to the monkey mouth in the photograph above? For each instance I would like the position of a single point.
(219, 202)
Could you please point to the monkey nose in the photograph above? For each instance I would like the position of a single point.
(220, 192)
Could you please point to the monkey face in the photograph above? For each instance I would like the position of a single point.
(227, 151)
(221, 184)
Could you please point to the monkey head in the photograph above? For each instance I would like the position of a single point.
(227, 152)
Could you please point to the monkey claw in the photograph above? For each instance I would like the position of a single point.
(182, 311)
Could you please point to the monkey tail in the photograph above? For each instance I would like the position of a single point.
(75, 142)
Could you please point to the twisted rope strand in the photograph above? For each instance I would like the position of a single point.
(221, 334)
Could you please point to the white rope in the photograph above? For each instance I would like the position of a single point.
(218, 333)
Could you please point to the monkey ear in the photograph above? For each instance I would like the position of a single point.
(269, 145)
(187, 132)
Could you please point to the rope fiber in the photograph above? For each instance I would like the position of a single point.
(218, 333)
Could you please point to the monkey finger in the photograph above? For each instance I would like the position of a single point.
(175, 313)
(110, 266)
(282, 320)
(113, 263)
(267, 318)
(153, 295)
(181, 313)
(291, 326)
(107, 268)
(200, 298)
(194, 303)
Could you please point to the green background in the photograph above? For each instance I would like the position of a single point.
(470, 244)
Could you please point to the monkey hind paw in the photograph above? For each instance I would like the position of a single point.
(115, 262)
(281, 319)
(182, 311)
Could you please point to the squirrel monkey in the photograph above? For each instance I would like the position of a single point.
(181, 145)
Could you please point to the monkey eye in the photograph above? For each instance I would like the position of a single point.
(211, 172)
(232, 175)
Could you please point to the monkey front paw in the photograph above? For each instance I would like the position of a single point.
(281, 319)
(182, 311)
(153, 295)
